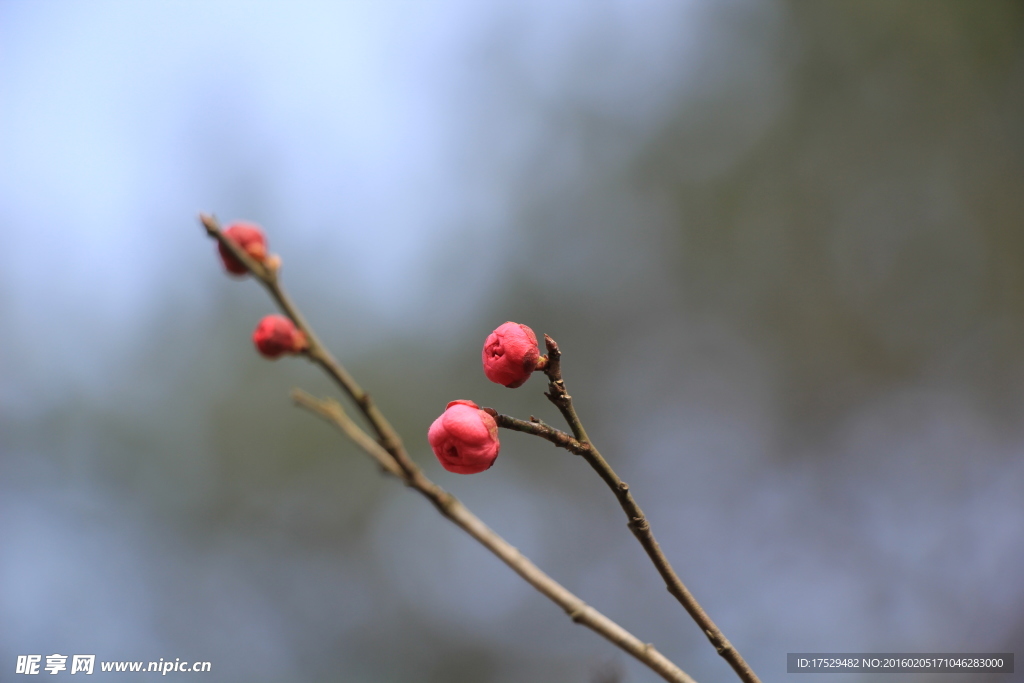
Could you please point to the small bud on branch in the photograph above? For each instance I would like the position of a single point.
(277, 335)
(510, 354)
(464, 438)
(251, 239)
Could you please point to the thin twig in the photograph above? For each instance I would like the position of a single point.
(390, 454)
(538, 428)
(317, 352)
(638, 523)
(331, 410)
(453, 509)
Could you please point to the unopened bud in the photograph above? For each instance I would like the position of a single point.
(510, 354)
(277, 335)
(464, 438)
(250, 238)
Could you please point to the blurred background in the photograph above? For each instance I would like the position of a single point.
(780, 243)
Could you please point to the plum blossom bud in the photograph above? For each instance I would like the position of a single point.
(464, 438)
(277, 335)
(250, 238)
(510, 354)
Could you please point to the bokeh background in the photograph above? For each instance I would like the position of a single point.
(780, 243)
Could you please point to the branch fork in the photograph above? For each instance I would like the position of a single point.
(579, 443)
(387, 450)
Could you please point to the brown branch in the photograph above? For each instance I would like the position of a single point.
(317, 352)
(390, 455)
(454, 510)
(538, 428)
(331, 410)
(638, 523)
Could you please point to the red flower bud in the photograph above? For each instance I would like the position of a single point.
(277, 335)
(510, 354)
(250, 238)
(464, 438)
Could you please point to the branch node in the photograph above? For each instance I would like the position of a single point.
(580, 444)
(639, 524)
(552, 347)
